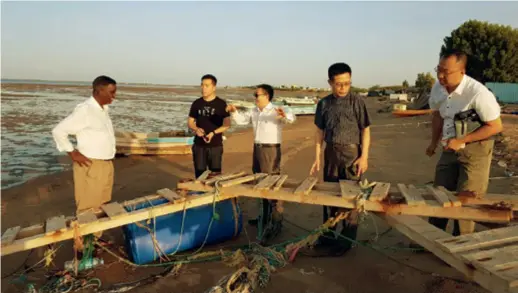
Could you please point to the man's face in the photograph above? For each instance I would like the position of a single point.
(450, 71)
(106, 94)
(261, 96)
(341, 84)
(207, 87)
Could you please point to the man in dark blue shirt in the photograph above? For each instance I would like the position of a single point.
(343, 124)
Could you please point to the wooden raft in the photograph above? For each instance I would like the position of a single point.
(408, 200)
(489, 258)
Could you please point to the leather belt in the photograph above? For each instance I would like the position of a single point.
(262, 145)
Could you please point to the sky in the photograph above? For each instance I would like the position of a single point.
(241, 43)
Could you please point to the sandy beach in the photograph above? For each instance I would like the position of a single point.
(397, 156)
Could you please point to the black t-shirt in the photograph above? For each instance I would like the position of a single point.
(209, 116)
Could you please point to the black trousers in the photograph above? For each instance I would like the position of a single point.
(338, 165)
(205, 157)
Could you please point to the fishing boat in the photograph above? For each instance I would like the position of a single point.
(298, 101)
(154, 143)
(410, 113)
(242, 105)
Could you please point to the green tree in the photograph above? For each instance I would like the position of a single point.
(405, 84)
(374, 87)
(424, 81)
(492, 50)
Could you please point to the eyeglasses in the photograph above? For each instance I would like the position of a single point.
(342, 84)
(256, 95)
(442, 71)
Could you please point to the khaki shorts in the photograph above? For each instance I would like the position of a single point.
(466, 170)
(93, 184)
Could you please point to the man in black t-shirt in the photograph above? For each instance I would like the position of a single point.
(208, 118)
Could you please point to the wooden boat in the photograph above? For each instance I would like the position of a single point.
(410, 113)
(306, 101)
(153, 143)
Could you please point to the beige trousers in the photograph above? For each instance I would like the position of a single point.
(93, 184)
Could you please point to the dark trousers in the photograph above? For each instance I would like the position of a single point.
(205, 157)
(338, 165)
(267, 159)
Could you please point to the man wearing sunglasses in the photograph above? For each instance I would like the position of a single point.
(267, 121)
(342, 122)
(465, 162)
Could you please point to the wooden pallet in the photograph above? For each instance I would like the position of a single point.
(406, 199)
(494, 252)
(111, 215)
(409, 200)
(489, 258)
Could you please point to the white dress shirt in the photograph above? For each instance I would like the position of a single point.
(470, 94)
(266, 123)
(93, 128)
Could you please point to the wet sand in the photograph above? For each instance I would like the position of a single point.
(397, 156)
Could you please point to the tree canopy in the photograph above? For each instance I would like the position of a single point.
(492, 50)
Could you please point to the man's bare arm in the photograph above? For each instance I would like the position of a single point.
(319, 139)
(224, 127)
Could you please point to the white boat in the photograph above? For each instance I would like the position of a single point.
(299, 101)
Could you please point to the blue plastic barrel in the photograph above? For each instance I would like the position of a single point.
(139, 243)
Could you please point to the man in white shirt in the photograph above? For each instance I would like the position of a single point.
(92, 159)
(267, 121)
(466, 159)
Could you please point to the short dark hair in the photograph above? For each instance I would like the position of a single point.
(211, 77)
(101, 81)
(337, 69)
(268, 88)
(460, 55)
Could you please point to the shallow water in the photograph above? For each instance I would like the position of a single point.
(28, 149)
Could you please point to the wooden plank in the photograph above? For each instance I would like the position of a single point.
(267, 182)
(55, 224)
(455, 202)
(224, 177)
(479, 240)
(203, 176)
(280, 182)
(306, 186)
(330, 198)
(440, 196)
(426, 235)
(113, 209)
(349, 189)
(493, 259)
(411, 194)
(170, 195)
(86, 217)
(244, 179)
(9, 235)
(106, 223)
(380, 191)
(491, 199)
(508, 274)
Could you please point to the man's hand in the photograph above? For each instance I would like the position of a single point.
(207, 138)
(361, 165)
(430, 150)
(454, 144)
(315, 168)
(79, 158)
(280, 112)
(200, 132)
(231, 108)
